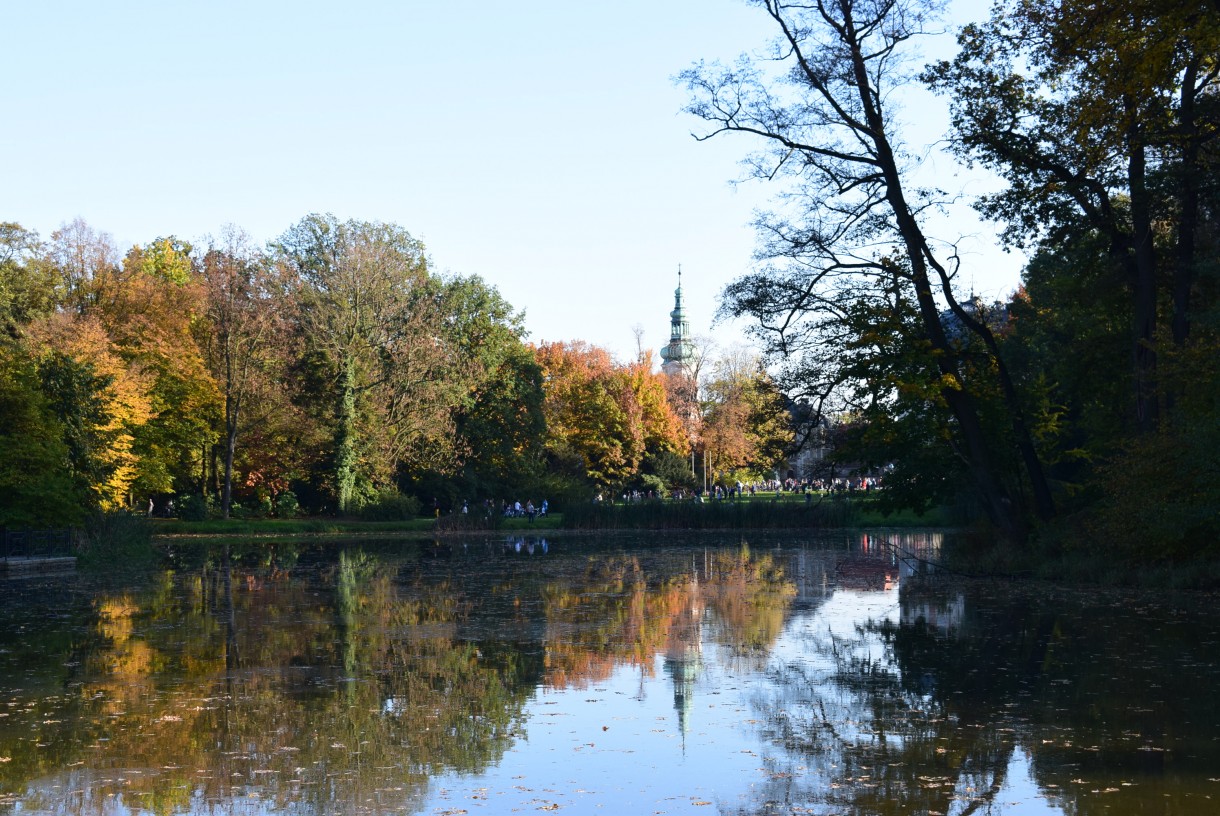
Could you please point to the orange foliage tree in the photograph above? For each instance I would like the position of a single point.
(602, 416)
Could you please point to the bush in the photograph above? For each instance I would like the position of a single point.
(473, 520)
(117, 541)
(286, 505)
(1162, 496)
(264, 509)
(192, 507)
(390, 505)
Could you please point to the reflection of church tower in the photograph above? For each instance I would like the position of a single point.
(684, 654)
(680, 352)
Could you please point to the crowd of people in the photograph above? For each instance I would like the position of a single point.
(766, 487)
(775, 488)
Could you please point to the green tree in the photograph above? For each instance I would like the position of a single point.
(894, 417)
(36, 483)
(365, 310)
(76, 396)
(499, 426)
(504, 429)
(1102, 119)
(27, 284)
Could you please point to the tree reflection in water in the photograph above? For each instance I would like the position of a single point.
(793, 680)
(968, 692)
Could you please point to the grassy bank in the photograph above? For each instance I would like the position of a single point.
(758, 513)
(281, 528)
(788, 512)
(285, 527)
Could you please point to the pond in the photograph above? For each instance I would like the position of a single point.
(652, 674)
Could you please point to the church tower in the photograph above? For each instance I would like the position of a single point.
(680, 353)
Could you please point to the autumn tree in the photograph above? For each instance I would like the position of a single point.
(365, 308)
(662, 425)
(746, 425)
(820, 106)
(591, 416)
(150, 308)
(119, 338)
(101, 400)
(239, 337)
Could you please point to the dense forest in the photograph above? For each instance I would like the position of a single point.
(334, 371)
(331, 371)
(1082, 411)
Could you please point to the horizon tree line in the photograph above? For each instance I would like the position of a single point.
(331, 370)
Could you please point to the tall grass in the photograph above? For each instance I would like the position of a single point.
(117, 541)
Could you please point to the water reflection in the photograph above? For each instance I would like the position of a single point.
(774, 676)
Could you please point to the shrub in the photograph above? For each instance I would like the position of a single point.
(264, 508)
(390, 505)
(192, 507)
(117, 541)
(286, 505)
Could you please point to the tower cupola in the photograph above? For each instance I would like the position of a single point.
(679, 355)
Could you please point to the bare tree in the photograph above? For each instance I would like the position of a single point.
(637, 331)
(819, 103)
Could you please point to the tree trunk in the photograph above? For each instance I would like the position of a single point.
(1144, 288)
(1001, 510)
(345, 438)
(1044, 503)
(232, 410)
(230, 449)
(1183, 273)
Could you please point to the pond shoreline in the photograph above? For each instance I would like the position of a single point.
(980, 560)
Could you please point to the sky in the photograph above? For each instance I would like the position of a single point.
(538, 144)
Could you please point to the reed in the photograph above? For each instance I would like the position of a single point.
(116, 541)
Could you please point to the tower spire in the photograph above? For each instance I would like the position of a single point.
(678, 355)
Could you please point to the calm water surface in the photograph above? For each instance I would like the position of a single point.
(651, 675)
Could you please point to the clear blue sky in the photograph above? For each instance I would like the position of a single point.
(539, 144)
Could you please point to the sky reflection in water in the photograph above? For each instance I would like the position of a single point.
(601, 676)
